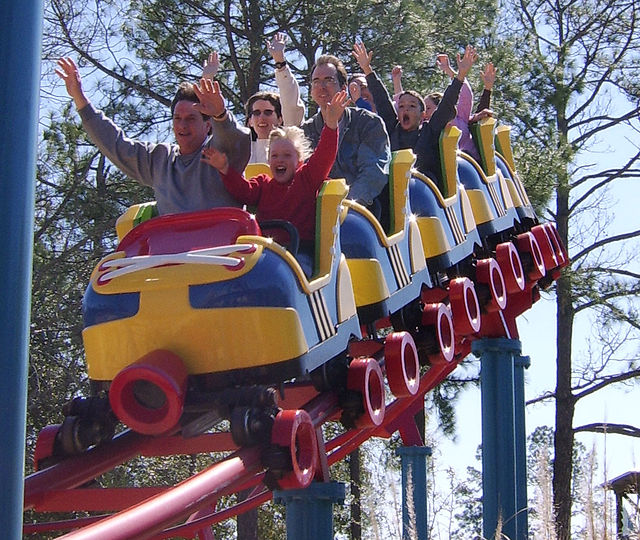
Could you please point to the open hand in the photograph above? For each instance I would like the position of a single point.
(68, 72)
(210, 66)
(276, 47)
(335, 108)
(488, 76)
(216, 159)
(362, 57)
(442, 62)
(466, 61)
(211, 100)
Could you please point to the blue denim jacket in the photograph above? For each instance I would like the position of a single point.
(364, 152)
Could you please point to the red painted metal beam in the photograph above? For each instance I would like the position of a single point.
(147, 519)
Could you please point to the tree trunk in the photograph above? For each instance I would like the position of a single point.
(356, 510)
(247, 522)
(565, 400)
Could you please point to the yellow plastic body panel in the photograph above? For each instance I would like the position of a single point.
(399, 177)
(369, 285)
(415, 246)
(194, 335)
(434, 239)
(328, 209)
(169, 276)
(448, 148)
(503, 145)
(481, 211)
(484, 131)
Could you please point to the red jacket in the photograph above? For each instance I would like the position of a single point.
(295, 201)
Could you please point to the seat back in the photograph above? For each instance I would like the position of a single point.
(133, 216)
(483, 136)
(178, 233)
(328, 210)
(448, 163)
(399, 175)
(254, 169)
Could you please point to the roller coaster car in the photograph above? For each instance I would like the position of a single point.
(444, 214)
(204, 294)
(506, 167)
(388, 266)
(489, 192)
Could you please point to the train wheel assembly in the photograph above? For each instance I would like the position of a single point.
(489, 276)
(464, 306)
(533, 263)
(293, 455)
(511, 266)
(439, 316)
(401, 364)
(363, 405)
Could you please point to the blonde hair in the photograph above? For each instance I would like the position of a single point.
(297, 137)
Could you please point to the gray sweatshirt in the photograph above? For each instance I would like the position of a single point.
(181, 183)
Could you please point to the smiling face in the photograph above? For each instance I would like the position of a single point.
(324, 84)
(263, 118)
(189, 127)
(283, 160)
(410, 113)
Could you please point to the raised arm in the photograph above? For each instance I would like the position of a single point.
(381, 97)
(488, 77)
(227, 136)
(211, 100)
(324, 155)
(293, 109)
(243, 190)
(335, 109)
(210, 66)
(396, 77)
(68, 72)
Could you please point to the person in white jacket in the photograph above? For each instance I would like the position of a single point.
(264, 109)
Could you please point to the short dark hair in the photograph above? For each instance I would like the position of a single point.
(435, 97)
(355, 76)
(337, 63)
(271, 97)
(185, 92)
(415, 95)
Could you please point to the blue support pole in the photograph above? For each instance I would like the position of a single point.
(310, 511)
(20, 37)
(522, 504)
(415, 520)
(498, 435)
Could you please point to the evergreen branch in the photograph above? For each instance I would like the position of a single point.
(605, 242)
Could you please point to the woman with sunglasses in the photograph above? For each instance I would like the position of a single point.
(264, 110)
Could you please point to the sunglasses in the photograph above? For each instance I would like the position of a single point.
(257, 112)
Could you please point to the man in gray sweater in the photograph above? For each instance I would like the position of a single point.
(181, 181)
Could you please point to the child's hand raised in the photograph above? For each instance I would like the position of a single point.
(334, 109)
(466, 61)
(216, 159)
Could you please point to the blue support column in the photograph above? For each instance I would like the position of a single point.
(522, 503)
(415, 520)
(20, 37)
(498, 435)
(310, 511)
